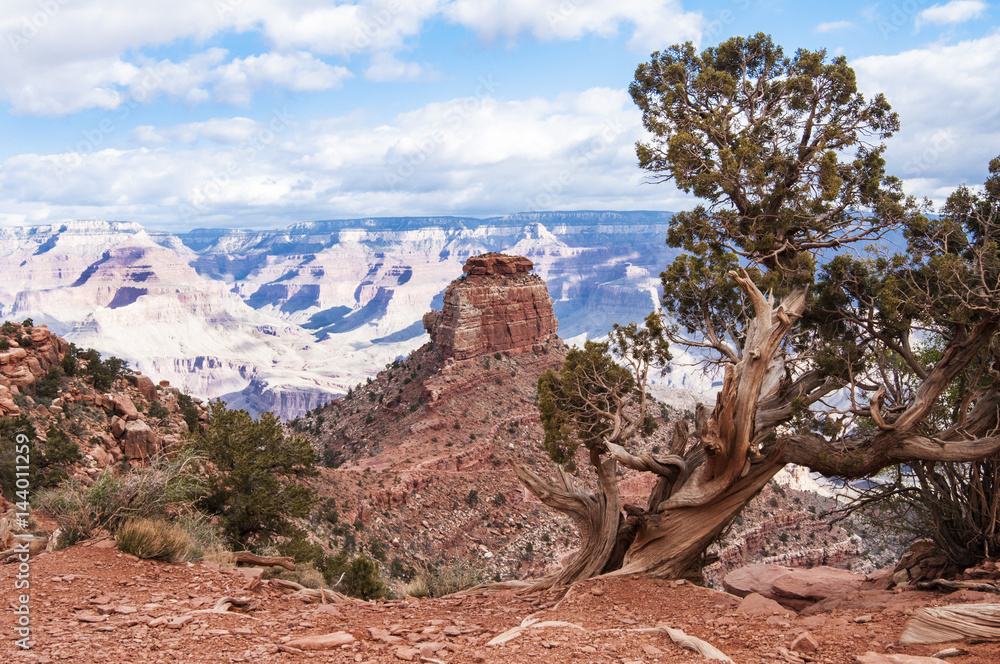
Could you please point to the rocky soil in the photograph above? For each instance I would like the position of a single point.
(93, 604)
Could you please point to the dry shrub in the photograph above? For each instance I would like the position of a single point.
(456, 576)
(415, 588)
(156, 540)
(305, 574)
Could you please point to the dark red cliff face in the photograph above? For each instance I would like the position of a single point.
(498, 306)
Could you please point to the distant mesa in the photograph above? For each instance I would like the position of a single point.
(497, 307)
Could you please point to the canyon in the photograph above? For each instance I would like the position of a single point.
(288, 319)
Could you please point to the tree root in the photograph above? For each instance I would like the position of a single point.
(529, 623)
(313, 595)
(693, 643)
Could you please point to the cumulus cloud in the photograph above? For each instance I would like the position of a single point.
(654, 22)
(945, 98)
(469, 155)
(956, 11)
(834, 26)
(108, 83)
(385, 67)
(236, 82)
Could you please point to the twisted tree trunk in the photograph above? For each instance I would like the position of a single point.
(596, 515)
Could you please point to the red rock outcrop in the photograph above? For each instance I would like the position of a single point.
(19, 369)
(496, 307)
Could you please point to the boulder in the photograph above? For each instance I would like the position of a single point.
(794, 587)
(756, 604)
(140, 442)
(815, 584)
(35, 367)
(117, 427)
(123, 406)
(805, 642)
(146, 388)
(7, 405)
(753, 579)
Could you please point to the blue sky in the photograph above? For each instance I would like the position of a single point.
(262, 113)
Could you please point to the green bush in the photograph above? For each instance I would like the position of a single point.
(48, 387)
(8, 328)
(157, 409)
(155, 540)
(103, 373)
(10, 428)
(4, 343)
(252, 486)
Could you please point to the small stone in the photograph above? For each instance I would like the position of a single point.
(863, 619)
(406, 654)
(179, 622)
(805, 642)
(652, 650)
(89, 617)
(323, 641)
(950, 652)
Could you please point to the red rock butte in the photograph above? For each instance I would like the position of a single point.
(498, 306)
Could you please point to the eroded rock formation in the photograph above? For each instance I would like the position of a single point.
(498, 306)
(19, 368)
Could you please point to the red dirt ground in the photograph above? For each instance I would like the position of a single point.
(608, 619)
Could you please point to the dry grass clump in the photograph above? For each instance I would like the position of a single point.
(415, 588)
(156, 540)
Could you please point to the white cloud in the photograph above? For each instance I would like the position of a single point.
(956, 11)
(834, 26)
(385, 67)
(107, 84)
(470, 155)
(945, 96)
(66, 56)
(655, 23)
(222, 131)
(237, 81)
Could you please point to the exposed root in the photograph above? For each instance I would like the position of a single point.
(530, 623)
(313, 595)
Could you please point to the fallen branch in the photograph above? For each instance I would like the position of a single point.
(265, 561)
(312, 594)
(526, 624)
(947, 584)
(224, 604)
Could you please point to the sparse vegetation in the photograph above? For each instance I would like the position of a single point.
(156, 540)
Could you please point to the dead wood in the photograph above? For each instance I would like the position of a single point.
(952, 623)
(265, 561)
(693, 643)
(948, 584)
(312, 594)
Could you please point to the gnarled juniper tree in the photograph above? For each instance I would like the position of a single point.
(788, 284)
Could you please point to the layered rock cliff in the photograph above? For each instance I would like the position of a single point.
(496, 307)
(19, 368)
